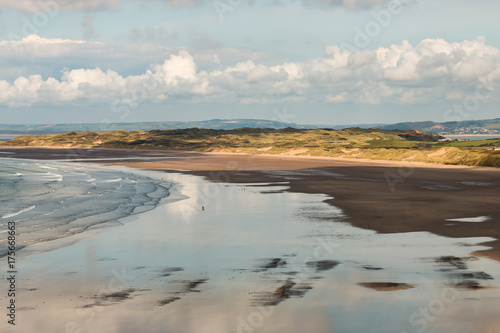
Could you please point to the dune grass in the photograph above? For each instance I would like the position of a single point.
(394, 145)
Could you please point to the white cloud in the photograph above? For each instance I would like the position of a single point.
(33, 6)
(431, 71)
(36, 46)
(350, 4)
(341, 98)
(184, 3)
(37, 55)
(180, 66)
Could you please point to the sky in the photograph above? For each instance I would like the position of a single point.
(332, 62)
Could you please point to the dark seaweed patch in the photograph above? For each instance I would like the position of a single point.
(475, 275)
(287, 290)
(456, 262)
(372, 268)
(323, 265)
(273, 263)
(108, 299)
(468, 285)
(168, 300)
(386, 286)
(170, 270)
(193, 284)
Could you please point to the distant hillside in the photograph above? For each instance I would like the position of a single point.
(399, 145)
(226, 124)
(489, 126)
(147, 126)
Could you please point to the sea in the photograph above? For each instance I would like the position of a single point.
(473, 137)
(50, 200)
(7, 137)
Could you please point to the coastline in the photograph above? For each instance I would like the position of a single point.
(385, 196)
(115, 155)
(271, 243)
(67, 215)
(492, 135)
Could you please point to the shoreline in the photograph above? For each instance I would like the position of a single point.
(385, 196)
(475, 135)
(58, 240)
(371, 205)
(33, 152)
(268, 242)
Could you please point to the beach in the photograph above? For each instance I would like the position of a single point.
(258, 243)
(385, 196)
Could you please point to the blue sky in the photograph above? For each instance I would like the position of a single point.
(305, 61)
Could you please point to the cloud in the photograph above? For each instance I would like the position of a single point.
(202, 40)
(153, 35)
(34, 6)
(349, 4)
(36, 46)
(47, 56)
(433, 70)
(183, 3)
(87, 26)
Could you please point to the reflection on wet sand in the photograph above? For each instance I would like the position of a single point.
(386, 286)
(258, 263)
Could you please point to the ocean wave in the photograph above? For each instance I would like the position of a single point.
(52, 177)
(113, 180)
(46, 167)
(8, 216)
(70, 199)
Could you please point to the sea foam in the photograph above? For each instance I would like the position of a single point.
(69, 199)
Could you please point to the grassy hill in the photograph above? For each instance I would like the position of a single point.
(145, 126)
(398, 145)
(472, 126)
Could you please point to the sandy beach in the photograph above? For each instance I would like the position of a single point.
(384, 196)
(250, 243)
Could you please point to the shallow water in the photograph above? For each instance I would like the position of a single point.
(50, 200)
(473, 137)
(256, 260)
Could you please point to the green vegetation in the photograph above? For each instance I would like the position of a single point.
(473, 143)
(391, 144)
(424, 126)
(144, 126)
(397, 145)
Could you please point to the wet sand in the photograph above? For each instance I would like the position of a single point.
(271, 252)
(388, 197)
(385, 196)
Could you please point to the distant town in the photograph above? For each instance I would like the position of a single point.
(473, 129)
